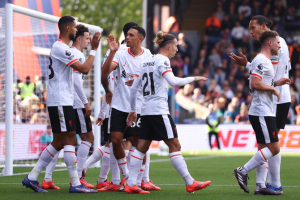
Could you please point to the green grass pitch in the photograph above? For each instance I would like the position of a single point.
(215, 166)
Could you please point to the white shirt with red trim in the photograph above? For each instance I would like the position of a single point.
(262, 102)
(282, 66)
(79, 96)
(154, 85)
(127, 63)
(60, 87)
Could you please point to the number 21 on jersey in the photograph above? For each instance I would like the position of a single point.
(146, 77)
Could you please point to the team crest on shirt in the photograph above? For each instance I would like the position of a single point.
(166, 63)
(260, 67)
(80, 59)
(68, 52)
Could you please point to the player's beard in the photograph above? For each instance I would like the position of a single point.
(72, 36)
(274, 52)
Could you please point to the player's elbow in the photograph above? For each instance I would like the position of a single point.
(254, 85)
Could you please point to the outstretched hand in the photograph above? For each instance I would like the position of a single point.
(113, 45)
(200, 78)
(240, 60)
(95, 41)
(130, 82)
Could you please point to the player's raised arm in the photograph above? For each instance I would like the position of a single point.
(87, 65)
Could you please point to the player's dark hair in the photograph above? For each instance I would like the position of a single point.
(266, 36)
(128, 26)
(141, 30)
(163, 39)
(65, 21)
(262, 20)
(81, 29)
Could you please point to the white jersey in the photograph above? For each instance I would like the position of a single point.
(60, 87)
(155, 87)
(282, 66)
(79, 96)
(112, 84)
(262, 102)
(127, 63)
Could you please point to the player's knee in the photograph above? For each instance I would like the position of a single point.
(275, 151)
(116, 142)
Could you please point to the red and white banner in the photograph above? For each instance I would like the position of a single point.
(232, 138)
(191, 137)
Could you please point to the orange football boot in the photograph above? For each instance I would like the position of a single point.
(149, 186)
(197, 185)
(135, 189)
(102, 185)
(49, 185)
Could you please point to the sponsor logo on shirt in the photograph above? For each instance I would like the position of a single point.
(68, 53)
(260, 67)
(149, 64)
(166, 63)
(124, 75)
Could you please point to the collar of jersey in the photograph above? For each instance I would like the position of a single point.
(59, 40)
(134, 55)
(264, 55)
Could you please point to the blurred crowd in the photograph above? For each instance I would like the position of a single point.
(227, 31)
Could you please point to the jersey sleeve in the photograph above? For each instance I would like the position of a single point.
(164, 67)
(116, 59)
(64, 54)
(259, 69)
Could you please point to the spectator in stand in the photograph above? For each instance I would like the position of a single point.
(226, 23)
(256, 9)
(215, 57)
(297, 76)
(232, 83)
(27, 88)
(226, 55)
(237, 33)
(213, 27)
(184, 47)
(280, 7)
(213, 120)
(222, 105)
(202, 60)
(267, 10)
(227, 35)
(220, 75)
(197, 95)
(187, 67)
(233, 17)
(214, 88)
(243, 117)
(290, 19)
(228, 120)
(227, 90)
(277, 17)
(298, 114)
(41, 89)
(294, 56)
(201, 85)
(46, 138)
(236, 105)
(245, 9)
(177, 63)
(220, 13)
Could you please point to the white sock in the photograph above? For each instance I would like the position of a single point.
(96, 156)
(122, 163)
(140, 175)
(132, 148)
(180, 165)
(105, 166)
(70, 160)
(274, 170)
(45, 158)
(261, 174)
(136, 162)
(115, 171)
(50, 168)
(82, 153)
(259, 158)
(147, 168)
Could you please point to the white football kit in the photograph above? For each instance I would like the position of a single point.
(127, 63)
(262, 102)
(60, 86)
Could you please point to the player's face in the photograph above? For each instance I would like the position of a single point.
(173, 48)
(275, 46)
(85, 40)
(133, 38)
(255, 29)
(72, 31)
